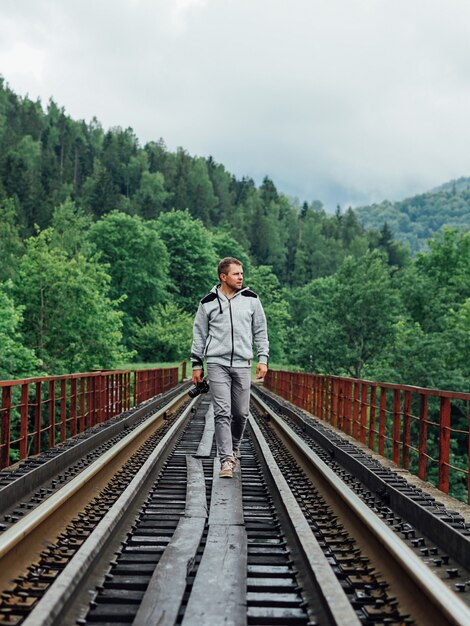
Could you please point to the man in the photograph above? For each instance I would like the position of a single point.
(227, 321)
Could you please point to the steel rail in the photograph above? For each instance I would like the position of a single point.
(447, 607)
(338, 605)
(52, 608)
(30, 522)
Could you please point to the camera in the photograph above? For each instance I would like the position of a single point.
(199, 388)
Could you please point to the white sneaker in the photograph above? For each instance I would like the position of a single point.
(226, 470)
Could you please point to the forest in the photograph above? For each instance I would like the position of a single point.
(107, 246)
(414, 220)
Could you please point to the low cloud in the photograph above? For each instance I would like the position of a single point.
(347, 102)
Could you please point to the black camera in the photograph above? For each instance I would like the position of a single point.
(199, 388)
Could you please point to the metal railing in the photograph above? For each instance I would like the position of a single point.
(38, 413)
(422, 430)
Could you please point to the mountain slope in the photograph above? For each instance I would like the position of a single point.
(415, 219)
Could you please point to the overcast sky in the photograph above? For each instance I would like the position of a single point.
(346, 101)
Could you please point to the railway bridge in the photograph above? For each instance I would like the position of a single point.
(349, 504)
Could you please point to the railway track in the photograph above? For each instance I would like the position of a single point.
(153, 535)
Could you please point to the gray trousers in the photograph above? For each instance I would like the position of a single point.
(230, 388)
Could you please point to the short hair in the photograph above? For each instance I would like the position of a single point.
(225, 264)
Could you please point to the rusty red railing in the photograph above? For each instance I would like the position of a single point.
(38, 413)
(423, 430)
(149, 383)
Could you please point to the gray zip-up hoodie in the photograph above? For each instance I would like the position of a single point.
(224, 329)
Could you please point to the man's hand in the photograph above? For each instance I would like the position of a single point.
(261, 370)
(198, 377)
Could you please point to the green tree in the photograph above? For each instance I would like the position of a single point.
(193, 265)
(137, 260)
(223, 189)
(137, 166)
(242, 220)
(416, 358)
(349, 317)
(100, 192)
(438, 282)
(225, 245)
(316, 254)
(364, 306)
(202, 200)
(22, 179)
(11, 246)
(397, 253)
(69, 318)
(314, 345)
(151, 197)
(162, 161)
(70, 225)
(16, 360)
(167, 336)
(266, 284)
(120, 147)
(182, 164)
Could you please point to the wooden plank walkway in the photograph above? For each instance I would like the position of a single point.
(218, 597)
(163, 597)
(205, 445)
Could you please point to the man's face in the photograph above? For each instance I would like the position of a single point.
(234, 276)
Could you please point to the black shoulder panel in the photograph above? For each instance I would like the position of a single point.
(249, 294)
(211, 296)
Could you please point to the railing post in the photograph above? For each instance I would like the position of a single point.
(106, 397)
(120, 387)
(341, 411)
(334, 394)
(423, 436)
(311, 401)
(356, 412)
(372, 426)
(82, 418)
(63, 409)
(136, 392)
(37, 418)
(468, 451)
(316, 396)
(73, 407)
(363, 433)
(51, 413)
(128, 390)
(24, 410)
(5, 427)
(328, 399)
(406, 429)
(102, 397)
(396, 426)
(90, 413)
(345, 409)
(382, 419)
(303, 390)
(444, 445)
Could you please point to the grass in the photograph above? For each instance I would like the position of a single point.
(160, 365)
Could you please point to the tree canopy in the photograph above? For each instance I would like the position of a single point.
(107, 246)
